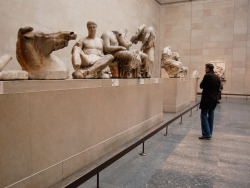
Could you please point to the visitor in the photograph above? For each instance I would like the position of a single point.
(211, 86)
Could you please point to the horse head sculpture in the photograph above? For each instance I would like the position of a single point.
(33, 52)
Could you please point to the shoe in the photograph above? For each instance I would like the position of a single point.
(205, 138)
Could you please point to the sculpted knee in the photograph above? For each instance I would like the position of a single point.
(110, 57)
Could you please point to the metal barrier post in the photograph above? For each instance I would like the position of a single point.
(97, 179)
(191, 113)
(181, 121)
(96, 170)
(166, 131)
(197, 108)
(142, 153)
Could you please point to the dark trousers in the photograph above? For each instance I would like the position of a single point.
(207, 122)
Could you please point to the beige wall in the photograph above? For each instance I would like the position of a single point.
(51, 16)
(210, 30)
(177, 95)
(51, 129)
(201, 30)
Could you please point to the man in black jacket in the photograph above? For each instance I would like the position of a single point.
(210, 85)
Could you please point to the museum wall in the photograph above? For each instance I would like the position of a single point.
(52, 129)
(203, 31)
(63, 15)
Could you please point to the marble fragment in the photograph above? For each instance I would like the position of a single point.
(11, 74)
(14, 75)
(147, 35)
(171, 66)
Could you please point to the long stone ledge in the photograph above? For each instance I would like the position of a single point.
(23, 86)
(51, 129)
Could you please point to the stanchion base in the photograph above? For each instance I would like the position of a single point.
(180, 123)
(143, 154)
(166, 134)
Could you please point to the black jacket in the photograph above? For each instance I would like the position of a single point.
(211, 86)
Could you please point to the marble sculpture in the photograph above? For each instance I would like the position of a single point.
(11, 74)
(147, 35)
(196, 74)
(219, 68)
(88, 58)
(33, 52)
(171, 65)
(127, 63)
(92, 57)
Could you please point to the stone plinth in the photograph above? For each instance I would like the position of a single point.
(51, 129)
(176, 94)
(193, 88)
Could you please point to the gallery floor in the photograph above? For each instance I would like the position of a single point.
(182, 160)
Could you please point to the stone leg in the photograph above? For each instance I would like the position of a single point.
(80, 59)
(144, 65)
(92, 72)
(151, 55)
(76, 58)
(77, 63)
(99, 65)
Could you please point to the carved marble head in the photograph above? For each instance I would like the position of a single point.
(91, 28)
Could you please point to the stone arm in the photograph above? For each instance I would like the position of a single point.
(107, 44)
(77, 45)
